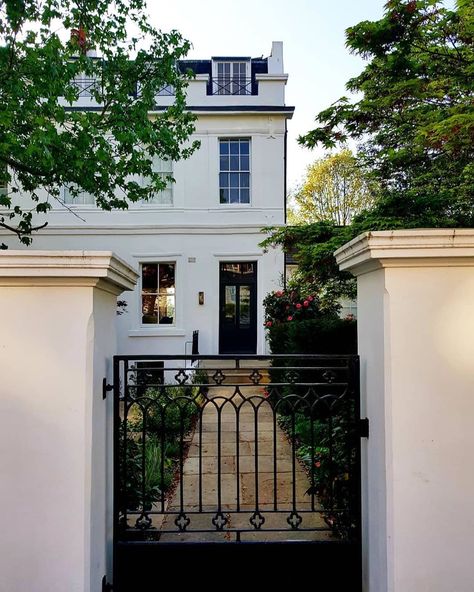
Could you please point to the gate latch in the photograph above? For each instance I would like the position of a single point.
(364, 427)
(106, 388)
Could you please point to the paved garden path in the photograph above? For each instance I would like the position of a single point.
(240, 446)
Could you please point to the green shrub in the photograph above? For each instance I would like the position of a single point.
(325, 335)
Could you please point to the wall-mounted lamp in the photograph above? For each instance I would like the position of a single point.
(201, 298)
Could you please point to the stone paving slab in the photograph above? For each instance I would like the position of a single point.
(242, 484)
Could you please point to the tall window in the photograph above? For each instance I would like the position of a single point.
(232, 79)
(82, 198)
(234, 173)
(3, 179)
(165, 169)
(158, 293)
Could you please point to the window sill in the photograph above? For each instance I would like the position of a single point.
(157, 332)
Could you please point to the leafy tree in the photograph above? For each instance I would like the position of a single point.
(335, 189)
(44, 144)
(414, 124)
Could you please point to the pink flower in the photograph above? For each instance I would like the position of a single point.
(287, 307)
(298, 306)
(310, 298)
(268, 324)
(317, 464)
(290, 318)
(306, 303)
(279, 294)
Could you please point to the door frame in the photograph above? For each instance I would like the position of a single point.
(253, 302)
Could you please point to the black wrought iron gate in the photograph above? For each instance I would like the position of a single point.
(234, 458)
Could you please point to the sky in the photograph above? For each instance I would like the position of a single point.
(314, 52)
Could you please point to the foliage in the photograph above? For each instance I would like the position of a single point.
(46, 145)
(414, 123)
(295, 304)
(415, 119)
(335, 189)
(325, 335)
(324, 447)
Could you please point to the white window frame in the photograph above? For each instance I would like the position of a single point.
(225, 85)
(158, 325)
(4, 186)
(75, 202)
(157, 199)
(239, 203)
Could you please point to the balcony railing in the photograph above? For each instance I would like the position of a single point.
(86, 86)
(231, 86)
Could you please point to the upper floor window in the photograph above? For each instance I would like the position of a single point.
(234, 172)
(232, 78)
(158, 293)
(3, 179)
(76, 197)
(165, 170)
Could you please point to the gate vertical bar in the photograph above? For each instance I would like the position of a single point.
(116, 466)
(354, 382)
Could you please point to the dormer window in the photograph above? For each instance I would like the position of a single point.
(231, 78)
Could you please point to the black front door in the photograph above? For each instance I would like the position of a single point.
(238, 308)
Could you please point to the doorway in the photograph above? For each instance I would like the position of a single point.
(238, 308)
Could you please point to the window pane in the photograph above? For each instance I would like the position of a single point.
(166, 309)
(244, 196)
(150, 277)
(244, 180)
(224, 163)
(234, 179)
(224, 147)
(230, 304)
(234, 163)
(166, 277)
(238, 268)
(244, 305)
(244, 147)
(224, 196)
(234, 195)
(149, 310)
(234, 147)
(244, 163)
(223, 180)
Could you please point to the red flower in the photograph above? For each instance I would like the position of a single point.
(310, 298)
(290, 318)
(317, 464)
(298, 306)
(268, 324)
(306, 303)
(279, 294)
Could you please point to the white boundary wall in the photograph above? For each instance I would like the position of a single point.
(416, 342)
(57, 335)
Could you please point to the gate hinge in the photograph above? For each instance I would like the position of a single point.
(364, 427)
(106, 587)
(106, 388)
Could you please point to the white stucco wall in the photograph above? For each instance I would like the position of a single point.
(196, 226)
(56, 336)
(415, 323)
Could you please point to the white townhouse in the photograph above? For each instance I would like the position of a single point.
(196, 244)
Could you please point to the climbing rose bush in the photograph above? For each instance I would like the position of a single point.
(286, 306)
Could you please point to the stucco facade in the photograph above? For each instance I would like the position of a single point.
(196, 233)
